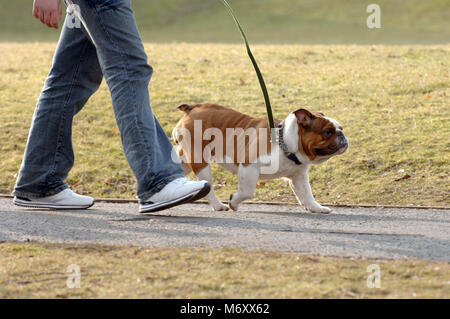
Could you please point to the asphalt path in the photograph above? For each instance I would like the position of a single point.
(390, 233)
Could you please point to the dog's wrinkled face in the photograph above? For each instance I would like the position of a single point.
(319, 137)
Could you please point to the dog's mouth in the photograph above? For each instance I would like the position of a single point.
(330, 152)
(325, 151)
(343, 148)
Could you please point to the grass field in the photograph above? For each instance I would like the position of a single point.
(32, 270)
(266, 21)
(393, 102)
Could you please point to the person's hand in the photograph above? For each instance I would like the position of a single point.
(48, 11)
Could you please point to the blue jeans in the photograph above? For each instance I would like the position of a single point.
(104, 42)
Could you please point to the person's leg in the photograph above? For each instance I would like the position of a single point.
(75, 75)
(112, 27)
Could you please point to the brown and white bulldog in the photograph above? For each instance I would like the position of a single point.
(241, 144)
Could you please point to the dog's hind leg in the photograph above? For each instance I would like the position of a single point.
(248, 178)
(205, 174)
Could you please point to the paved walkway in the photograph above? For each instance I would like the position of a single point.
(352, 232)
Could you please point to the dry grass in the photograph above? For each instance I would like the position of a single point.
(393, 102)
(31, 270)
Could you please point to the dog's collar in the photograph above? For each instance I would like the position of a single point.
(284, 148)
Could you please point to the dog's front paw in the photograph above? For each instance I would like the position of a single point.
(318, 209)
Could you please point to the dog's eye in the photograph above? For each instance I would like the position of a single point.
(329, 133)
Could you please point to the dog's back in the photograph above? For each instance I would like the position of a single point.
(230, 124)
(213, 115)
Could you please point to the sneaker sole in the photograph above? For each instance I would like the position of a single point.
(31, 204)
(189, 198)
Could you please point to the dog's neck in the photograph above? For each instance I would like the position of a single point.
(290, 155)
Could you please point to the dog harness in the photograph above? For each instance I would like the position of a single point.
(284, 148)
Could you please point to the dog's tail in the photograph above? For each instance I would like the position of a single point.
(186, 108)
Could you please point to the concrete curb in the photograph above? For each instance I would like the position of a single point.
(135, 201)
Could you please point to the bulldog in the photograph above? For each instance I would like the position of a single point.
(208, 133)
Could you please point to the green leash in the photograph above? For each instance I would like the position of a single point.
(258, 73)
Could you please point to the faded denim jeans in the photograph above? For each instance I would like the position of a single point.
(104, 42)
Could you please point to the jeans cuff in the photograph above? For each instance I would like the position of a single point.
(146, 195)
(40, 195)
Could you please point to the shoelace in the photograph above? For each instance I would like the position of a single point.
(180, 181)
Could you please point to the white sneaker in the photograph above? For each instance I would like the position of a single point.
(180, 191)
(67, 199)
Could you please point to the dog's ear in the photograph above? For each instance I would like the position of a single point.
(185, 108)
(304, 117)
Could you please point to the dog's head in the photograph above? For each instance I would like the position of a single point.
(314, 135)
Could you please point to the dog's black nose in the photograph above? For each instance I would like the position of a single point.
(342, 139)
